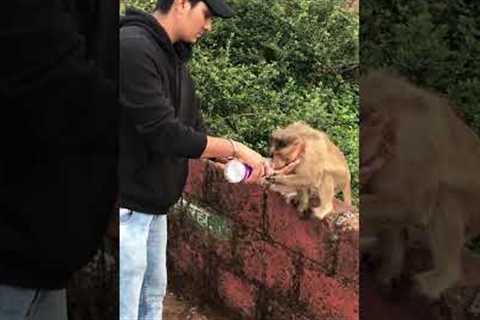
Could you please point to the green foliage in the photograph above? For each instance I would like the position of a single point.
(145, 5)
(276, 62)
(434, 43)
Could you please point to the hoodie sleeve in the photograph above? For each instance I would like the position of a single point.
(143, 95)
(200, 123)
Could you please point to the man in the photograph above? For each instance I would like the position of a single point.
(161, 129)
(58, 168)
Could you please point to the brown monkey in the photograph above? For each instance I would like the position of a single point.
(322, 170)
(429, 182)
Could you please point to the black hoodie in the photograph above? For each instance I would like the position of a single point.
(161, 126)
(58, 136)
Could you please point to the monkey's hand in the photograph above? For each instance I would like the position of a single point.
(271, 180)
(289, 180)
(288, 169)
(270, 173)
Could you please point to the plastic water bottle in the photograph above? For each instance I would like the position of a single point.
(236, 171)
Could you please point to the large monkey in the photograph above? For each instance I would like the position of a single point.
(322, 171)
(431, 179)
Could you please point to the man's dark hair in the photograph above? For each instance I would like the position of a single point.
(164, 5)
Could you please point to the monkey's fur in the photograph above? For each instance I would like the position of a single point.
(431, 182)
(321, 173)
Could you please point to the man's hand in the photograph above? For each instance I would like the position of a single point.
(254, 160)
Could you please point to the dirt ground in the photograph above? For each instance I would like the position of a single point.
(176, 308)
(93, 293)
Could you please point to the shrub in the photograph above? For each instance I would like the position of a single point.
(433, 43)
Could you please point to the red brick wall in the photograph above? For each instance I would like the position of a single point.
(251, 254)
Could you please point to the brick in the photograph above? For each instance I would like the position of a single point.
(175, 225)
(326, 298)
(189, 244)
(184, 229)
(276, 310)
(196, 179)
(221, 246)
(197, 238)
(237, 294)
(305, 236)
(186, 259)
(250, 253)
(251, 207)
(202, 244)
(222, 250)
(279, 268)
(188, 271)
(348, 257)
(240, 202)
(266, 263)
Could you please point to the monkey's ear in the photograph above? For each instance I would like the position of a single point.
(301, 145)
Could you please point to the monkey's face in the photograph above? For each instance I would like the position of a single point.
(284, 149)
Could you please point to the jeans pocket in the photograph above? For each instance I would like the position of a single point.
(125, 215)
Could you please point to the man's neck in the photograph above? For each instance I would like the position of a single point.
(167, 23)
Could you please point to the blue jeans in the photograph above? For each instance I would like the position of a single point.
(32, 304)
(143, 267)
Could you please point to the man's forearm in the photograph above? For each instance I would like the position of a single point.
(223, 148)
(219, 148)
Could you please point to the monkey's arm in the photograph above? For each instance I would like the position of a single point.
(292, 180)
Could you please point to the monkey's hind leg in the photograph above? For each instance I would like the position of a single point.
(303, 200)
(446, 242)
(326, 192)
(392, 255)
